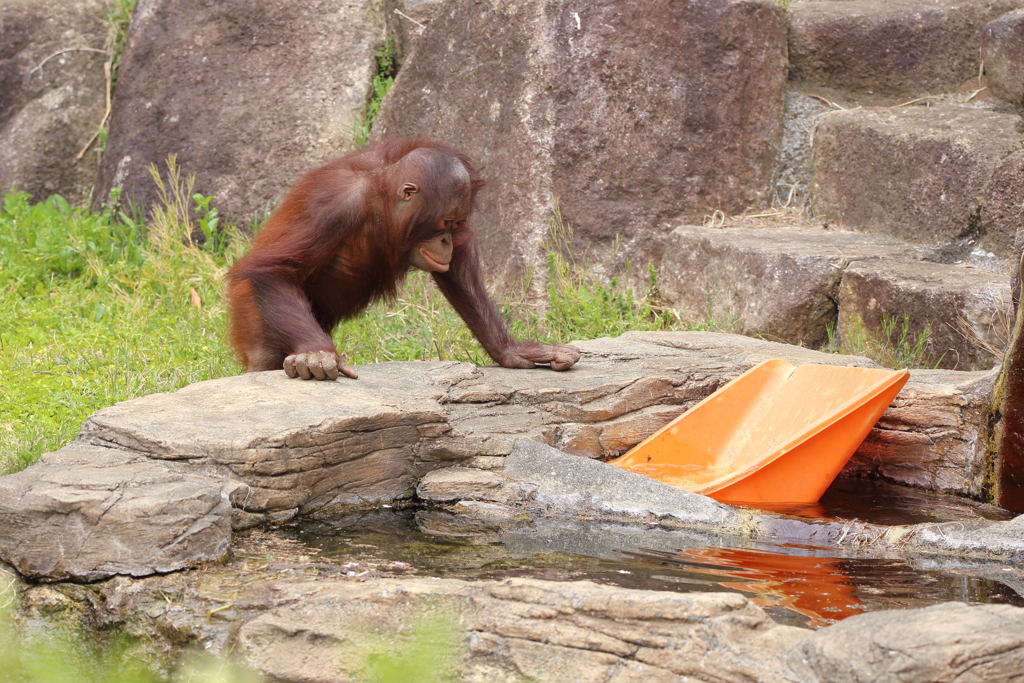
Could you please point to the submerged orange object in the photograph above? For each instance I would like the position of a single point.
(775, 434)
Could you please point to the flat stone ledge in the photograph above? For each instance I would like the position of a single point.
(258, 448)
(895, 47)
(931, 185)
(88, 513)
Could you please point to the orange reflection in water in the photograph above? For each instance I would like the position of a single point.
(816, 587)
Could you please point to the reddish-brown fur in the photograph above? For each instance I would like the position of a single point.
(339, 241)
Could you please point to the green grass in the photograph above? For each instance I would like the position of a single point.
(893, 346)
(97, 308)
(362, 125)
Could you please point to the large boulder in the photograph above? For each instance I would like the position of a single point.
(52, 95)
(1002, 49)
(893, 47)
(248, 94)
(405, 21)
(628, 117)
(918, 173)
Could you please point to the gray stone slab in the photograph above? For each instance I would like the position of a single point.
(88, 513)
(948, 642)
(570, 483)
(917, 173)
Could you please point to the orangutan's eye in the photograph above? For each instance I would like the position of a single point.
(448, 223)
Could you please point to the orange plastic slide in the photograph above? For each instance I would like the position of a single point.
(775, 434)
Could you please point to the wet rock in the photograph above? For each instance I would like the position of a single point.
(555, 99)
(247, 94)
(997, 540)
(917, 173)
(933, 435)
(949, 642)
(779, 283)
(1002, 50)
(902, 47)
(568, 483)
(458, 483)
(88, 513)
(520, 629)
(52, 95)
(965, 312)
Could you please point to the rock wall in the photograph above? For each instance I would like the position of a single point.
(52, 95)
(248, 94)
(880, 116)
(602, 109)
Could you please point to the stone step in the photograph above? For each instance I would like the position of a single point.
(792, 283)
(895, 47)
(922, 174)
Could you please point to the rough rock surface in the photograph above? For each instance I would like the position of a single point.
(780, 283)
(918, 173)
(275, 447)
(50, 104)
(1002, 214)
(296, 620)
(559, 485)
(522, 629)
(573, 483)
(405, 21)
(923, 441)
(558, 99)
(901, 47)
(88, 513)
(948, 642)
(967, 310)
(1002, 50)
(247, 94)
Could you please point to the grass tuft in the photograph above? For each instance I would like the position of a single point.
(894, 346)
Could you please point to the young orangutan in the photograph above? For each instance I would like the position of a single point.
(346, 235)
